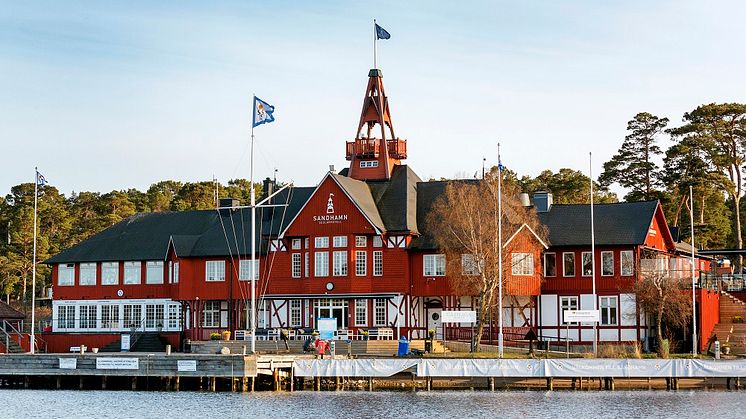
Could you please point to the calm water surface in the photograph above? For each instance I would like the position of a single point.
(381, 404)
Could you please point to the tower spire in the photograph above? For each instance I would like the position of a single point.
(376, 148)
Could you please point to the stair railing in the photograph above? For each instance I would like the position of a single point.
(16, 338)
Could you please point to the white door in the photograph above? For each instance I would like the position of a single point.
(434, 323)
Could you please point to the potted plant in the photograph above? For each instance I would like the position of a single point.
(214, 336)
(364, 334)
(226, 335)
(737, 319)
(726, 348)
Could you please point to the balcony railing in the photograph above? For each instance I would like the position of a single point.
(368, 148)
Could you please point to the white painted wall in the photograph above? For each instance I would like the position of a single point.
(548, 310)
(628, 312)
(608, 335)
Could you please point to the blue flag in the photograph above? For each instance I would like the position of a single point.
(262, 112)
(382, 33)
(40, 180)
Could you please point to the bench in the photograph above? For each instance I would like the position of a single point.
(75, 349)
(381, 333)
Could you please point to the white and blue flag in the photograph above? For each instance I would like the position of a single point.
(262, 112)
(40, 180)
(382, 33)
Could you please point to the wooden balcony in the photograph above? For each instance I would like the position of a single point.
(368, 148)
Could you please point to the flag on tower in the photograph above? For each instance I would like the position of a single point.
(40, 180)
(262, 112)
(382, 33)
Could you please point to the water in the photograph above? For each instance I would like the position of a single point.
(380, 404)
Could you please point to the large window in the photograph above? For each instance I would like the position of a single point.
(154, 272)
(339, 263)
(295, 244)
(215, 270)
(380, 312)
(244, 269)
(87, 274)
(321, 264)
(361, 312)
(567, 303)
(361, 241)
(132, 315)
(66, 317)
(587, 264)
(340, 241)
(522, 264)
(469, 266)
(377, 262)
(435, 265)
(609, 311)
(87, 316)
(568, 264)
(174, 316)
(295, 269)
(211, 314)
(627, 262)
(550, 264)
(132, 272)
(361, 263)
(154, 315)
(321, 242)
(306, 264)
(377, 241)
(110, 316)
(66, 274)
(176, 272)
(295, 313)
(607, 263)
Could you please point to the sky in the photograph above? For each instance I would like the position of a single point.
(107, 96)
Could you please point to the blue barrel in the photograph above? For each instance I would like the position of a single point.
(403, 346)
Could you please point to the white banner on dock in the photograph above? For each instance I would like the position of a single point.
(107, 363)
(702, 368)
(608, 368)
(480, 368)
(186, 365)
(351, 367)
(68, 363)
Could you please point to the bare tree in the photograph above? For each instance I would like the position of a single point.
(464, 224)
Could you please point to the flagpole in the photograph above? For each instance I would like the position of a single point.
(252, 268)
(375, 51)
(500, 346)
(32, 338)
(593, 259)
(694, 297)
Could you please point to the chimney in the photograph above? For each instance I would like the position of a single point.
(331, 169)
(268, 188)
(542, 201)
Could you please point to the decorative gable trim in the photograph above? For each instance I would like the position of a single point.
(526, 226)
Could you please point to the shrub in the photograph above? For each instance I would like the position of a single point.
(214, 336)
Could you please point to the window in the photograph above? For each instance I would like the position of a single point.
(66, 274)
(174, 316)
(368, 163)
(377, 263)
(377, 241)
(132, 272)
(627, 262)
(110, 316)
(568, 264)
(154, 272)
(295, 244)
(587, 264)
(340, 241)
(66, 317)
(296, 265)
(608, 311)
(306, 264)
(306, 243)
(550, 264)
(170, 272)
(321, 242)
(215, 270)
(567, 303)
(522, 264)
(244, 269)
(607, 263)
(211, 314)
(361, 241)
(154, 315)
(176, 272)
(132, 315)
(361, 312)
(87, 317)
(295, 311)
(380, 312)
(340, 263)
(87, 274)
(361, 263)
(435, 265)
(321, 264)
(469, 266)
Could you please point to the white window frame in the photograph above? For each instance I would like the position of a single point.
(631, 255)
(434, 265)
(582, 264)
(378, 263)
(604, 255)
(306, 264)
(361, 312)
(176, 272)
(339, 241)
(546, 264)
(87, 274)
(110, 317)
(296, 313)
(211, 313)
(295, 265)
(361, 263)
(379, 312)
(295, 244)
(66, 317)
(572, 304)
(361, 241)
(130, 269)
(244, 266)
(469, 266)
(87, 316)
(66, 274)
(154, 272)
(606, 308)
(321, 264)
(109, 273)
(214, 271)
(339, 263)
(522, 264)
(377, 241)
(365, 164)
(321, 242)
(574, 265)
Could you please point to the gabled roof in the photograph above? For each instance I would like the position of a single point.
(397, 200)
(624, 223)
(9, 313)
(525, 226)
(360, 195)
(427, 194)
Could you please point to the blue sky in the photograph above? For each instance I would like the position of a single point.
(112, 95)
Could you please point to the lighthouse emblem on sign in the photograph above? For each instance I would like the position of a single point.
(330, 205)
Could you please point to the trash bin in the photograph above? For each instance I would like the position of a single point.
(428, 345)
(403, 346)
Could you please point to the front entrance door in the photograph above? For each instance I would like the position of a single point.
(338, 309)
(433, 309)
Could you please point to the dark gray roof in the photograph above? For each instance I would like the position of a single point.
(624, 223)
(146, 236)
(427, 194)
(396, 200)
(9, 313)
(360, 194)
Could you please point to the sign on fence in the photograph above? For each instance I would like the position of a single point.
(327, 327)
(106, 363)
(587, 316)
(125, 343)
(458, 316)
(68, 363)
(186, 365)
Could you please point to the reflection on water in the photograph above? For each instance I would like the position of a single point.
(324, 405)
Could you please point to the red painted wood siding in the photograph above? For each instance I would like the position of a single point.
(100, 292)
(583, 284)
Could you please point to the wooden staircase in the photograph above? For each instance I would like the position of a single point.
(727, 330)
